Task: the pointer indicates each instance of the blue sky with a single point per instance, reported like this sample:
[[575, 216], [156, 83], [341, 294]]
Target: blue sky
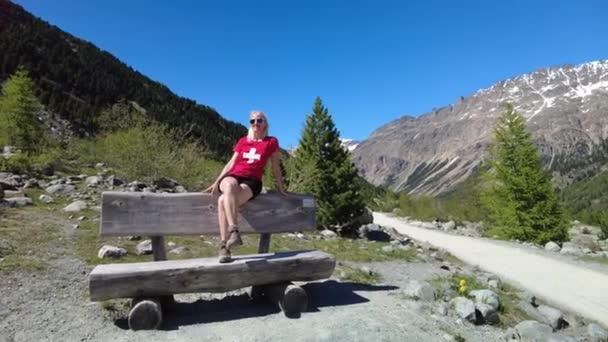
[[370, 61]]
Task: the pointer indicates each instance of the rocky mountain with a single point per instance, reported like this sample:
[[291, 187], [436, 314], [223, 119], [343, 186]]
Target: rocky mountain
[[566, 109]]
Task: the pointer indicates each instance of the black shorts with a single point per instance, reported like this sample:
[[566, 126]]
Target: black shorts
[[253, 184]]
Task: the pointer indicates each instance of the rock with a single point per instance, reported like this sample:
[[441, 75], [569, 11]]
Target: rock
[[442, 309], [165, 183], [60, 189], [19, 201], [553, 317], [494, 284], [388, 249], [569, 248], [596, 333], [486, 297], [180, 189], [76, 206], [179, 250], [533, 331], [420, 290], [366, 270], [586, 241], [465, 308], [489, 314], [100, 165], [300, 236], [171, 244], [144, 248], [114, 181], [108, 251], [449, 226], [93, 181], [374, 232], [45, 198], [328, 234], [552, 247], [582, 229]]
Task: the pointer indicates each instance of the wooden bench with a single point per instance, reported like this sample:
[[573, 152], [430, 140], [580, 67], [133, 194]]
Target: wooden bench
[[157, 215]]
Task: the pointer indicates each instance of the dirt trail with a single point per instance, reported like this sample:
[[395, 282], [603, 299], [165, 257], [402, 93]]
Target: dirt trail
[[573, 287]]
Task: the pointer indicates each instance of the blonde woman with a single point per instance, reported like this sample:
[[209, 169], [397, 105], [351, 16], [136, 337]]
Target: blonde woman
[[241, 179]]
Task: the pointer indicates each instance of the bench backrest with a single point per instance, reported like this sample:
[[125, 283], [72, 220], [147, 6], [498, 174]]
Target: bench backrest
[[195, 213]]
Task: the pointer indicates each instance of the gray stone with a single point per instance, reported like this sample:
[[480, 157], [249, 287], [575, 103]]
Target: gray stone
[[552, 247], [76, 206], [449, 226], [465, 308], [366, 270], [114, 181], [597, 333], [180, 250], [19, 201], [180, 189], [586, 241], [108, 251], [494, 284], [388, 249], [60, 189], [489, 314], [144, 247], [93, 181], [552, 316], [45, 198], [569, 248], [419, 290], [533, 331], [486, 297], [328, 234], [442, 309]]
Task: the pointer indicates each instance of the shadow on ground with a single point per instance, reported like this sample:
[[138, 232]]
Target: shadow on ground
[[320, 294]]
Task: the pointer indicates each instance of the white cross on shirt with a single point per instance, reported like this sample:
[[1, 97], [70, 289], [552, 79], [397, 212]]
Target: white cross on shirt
[[251, 155]]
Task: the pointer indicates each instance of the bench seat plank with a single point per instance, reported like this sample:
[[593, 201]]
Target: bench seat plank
[[150, 279], [195, 213]]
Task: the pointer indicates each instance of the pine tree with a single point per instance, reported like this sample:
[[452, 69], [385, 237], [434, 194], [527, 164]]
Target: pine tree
[[19, 110], [322, 167], [519, 197]]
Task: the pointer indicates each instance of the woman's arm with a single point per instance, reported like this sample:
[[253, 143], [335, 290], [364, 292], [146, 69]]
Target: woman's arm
[[275, 159], [213, 188]]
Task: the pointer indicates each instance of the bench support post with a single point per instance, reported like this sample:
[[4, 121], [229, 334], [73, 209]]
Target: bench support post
[[257, 292], [158, 248]]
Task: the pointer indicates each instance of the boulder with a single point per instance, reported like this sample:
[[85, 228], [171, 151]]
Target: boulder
[[465, 308], [420, 290], [553, 317], [45, 198], [571, 249], [489, 314], [486, 297], [328, 234], [552, 247], [144, 247], [60, 189], [533, 331], [108, 251], [586, 241], [93, 181], [18, 201], [76, 206]]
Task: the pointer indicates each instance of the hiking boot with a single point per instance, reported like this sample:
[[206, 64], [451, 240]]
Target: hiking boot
[[234, 240], [225, 255]]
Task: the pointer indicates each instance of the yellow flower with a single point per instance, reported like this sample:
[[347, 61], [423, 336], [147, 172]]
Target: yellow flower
[[463, 282]]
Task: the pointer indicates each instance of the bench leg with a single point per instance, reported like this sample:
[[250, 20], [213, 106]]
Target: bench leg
[[291, 298], [145, 314]]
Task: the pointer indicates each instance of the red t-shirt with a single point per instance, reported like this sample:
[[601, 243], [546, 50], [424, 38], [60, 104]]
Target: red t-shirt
[[253, 156]]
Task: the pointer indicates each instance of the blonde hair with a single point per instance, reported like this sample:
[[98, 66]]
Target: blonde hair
[[260, 114]]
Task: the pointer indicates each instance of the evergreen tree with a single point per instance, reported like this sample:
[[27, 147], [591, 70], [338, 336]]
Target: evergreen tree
[[322, 167], [519, 197], [19, 110]]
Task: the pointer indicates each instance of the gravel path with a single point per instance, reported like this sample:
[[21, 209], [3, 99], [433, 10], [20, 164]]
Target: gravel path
[[572, 286]]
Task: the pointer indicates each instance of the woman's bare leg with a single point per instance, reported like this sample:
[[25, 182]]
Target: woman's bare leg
[[233, 196], [221, 215]]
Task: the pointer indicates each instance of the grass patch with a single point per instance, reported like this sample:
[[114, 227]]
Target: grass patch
[[596, 259], [27, 237], [510, 312]]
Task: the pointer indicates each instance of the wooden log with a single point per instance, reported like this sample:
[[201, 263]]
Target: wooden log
[[136, 213], [158, 248], [145, 314], [154, 279], [290, 298]]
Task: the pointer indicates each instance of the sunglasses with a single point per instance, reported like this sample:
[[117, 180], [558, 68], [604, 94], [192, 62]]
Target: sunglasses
[[259, 120]]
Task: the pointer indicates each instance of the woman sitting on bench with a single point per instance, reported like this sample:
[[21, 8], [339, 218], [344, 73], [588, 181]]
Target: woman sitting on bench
[[241, 179]]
